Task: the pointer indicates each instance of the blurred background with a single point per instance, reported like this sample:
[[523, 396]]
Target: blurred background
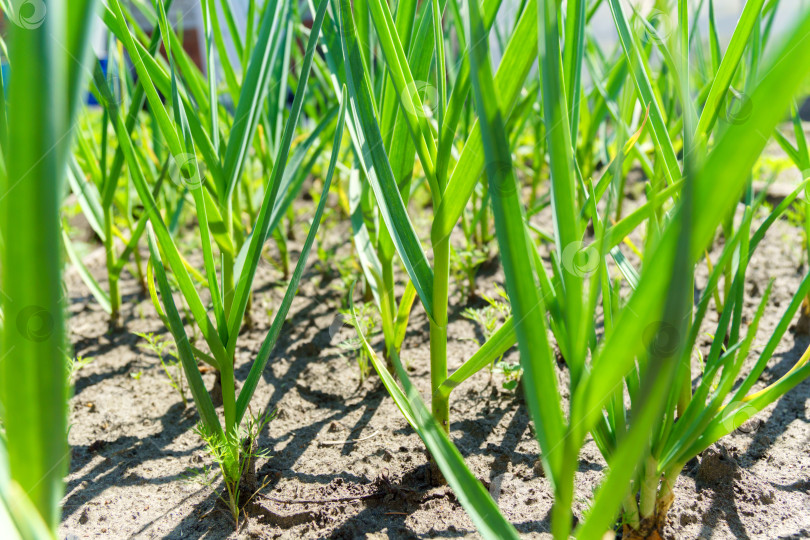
[[186, 16]]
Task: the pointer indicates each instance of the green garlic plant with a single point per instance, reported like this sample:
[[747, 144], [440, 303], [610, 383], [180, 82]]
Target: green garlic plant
[[220, 334], [668, 421]]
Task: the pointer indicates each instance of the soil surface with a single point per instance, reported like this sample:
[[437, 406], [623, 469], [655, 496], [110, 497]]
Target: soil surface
[[343, 463]]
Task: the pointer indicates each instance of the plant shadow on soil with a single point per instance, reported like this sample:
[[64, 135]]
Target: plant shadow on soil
[[135, 455]]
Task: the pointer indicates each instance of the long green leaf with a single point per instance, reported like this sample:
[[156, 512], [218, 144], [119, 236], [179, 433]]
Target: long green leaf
[[517, 61], [527, 306], [47, 59], [728, 66], [262, 225], [198, 391], [498, 343], [252, 96], [281, 314], [471, 494], [563, 190], [663, 143], [377, 167]]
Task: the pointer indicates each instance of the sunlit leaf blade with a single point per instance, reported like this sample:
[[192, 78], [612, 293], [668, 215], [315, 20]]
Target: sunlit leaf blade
[[253, 94], [201, 398], [471, 494], [644, 86], [281, 314], [561, 162], [377, 167], [262, 224], [498, 343], [728, 66], [527, 306], [19, 519], [518, 59]]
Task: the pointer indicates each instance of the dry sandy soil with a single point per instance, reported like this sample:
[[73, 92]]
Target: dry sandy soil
[[136, 468]]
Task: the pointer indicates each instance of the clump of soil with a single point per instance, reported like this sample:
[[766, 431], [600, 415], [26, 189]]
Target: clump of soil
[[716, 469]]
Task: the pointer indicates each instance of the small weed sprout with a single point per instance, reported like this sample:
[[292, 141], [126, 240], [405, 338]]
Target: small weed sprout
[[490, 317], [163, 348], [204, 476], [511, 373], [348, 269], [321, 264], [330, 265], [236, 458], [465, 264], [367, 326], [74, 365]]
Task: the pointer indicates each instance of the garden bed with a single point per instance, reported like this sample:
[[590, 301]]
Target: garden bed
[[342, 451]]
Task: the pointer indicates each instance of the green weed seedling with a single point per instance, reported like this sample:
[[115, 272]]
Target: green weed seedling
[[163, 348]]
